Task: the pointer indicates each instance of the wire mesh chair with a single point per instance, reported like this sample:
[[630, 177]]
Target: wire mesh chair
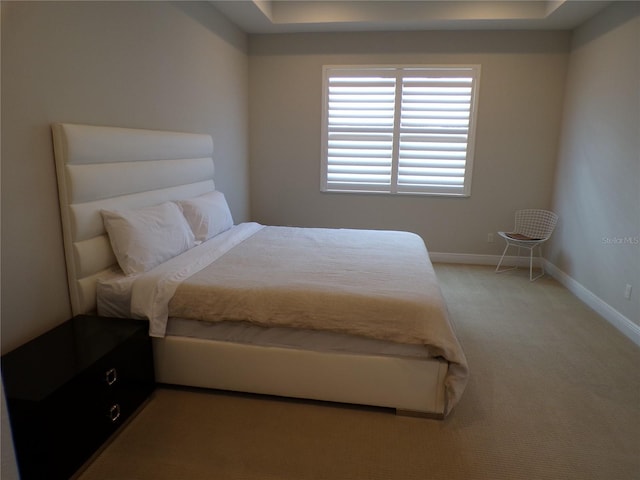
[[532, 228]]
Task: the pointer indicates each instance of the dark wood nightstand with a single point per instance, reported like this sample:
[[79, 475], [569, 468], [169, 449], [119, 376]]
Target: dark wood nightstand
[[71, 388]]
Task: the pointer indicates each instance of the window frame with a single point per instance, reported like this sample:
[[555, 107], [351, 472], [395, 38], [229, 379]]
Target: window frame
[[399, 73]]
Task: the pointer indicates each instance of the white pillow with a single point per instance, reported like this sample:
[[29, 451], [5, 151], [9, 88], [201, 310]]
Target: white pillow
[[145, 237], [208, 214]]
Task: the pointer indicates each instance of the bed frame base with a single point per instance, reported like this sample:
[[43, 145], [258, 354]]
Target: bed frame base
[[413, 387]]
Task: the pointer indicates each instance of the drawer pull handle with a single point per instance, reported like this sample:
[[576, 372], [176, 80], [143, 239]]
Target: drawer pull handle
[[111, 376], [114, 413]]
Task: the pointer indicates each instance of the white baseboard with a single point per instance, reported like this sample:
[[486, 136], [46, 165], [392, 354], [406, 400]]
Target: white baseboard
[[610, 314], [473, 259]]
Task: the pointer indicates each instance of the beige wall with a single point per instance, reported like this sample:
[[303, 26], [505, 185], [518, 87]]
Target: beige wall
[[159, 65], [8, 465], [520, 105], [597, 192]]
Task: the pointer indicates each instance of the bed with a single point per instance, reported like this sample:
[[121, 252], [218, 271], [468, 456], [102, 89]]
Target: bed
[[340, 315]]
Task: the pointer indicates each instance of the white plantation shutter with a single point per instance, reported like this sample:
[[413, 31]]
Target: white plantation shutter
[[360, 131], [399, 129]]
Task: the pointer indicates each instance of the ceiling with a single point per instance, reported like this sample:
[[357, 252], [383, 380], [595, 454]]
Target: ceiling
[[288, 16]]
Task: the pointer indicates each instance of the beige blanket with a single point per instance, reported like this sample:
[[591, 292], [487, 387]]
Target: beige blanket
[[378, 284]]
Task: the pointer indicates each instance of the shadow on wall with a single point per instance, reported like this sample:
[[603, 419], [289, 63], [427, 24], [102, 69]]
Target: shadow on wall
[[424, 42], [624, 12], [207, 16]]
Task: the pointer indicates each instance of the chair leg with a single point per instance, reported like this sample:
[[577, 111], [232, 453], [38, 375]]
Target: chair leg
[[541, 274], [501, 259], [531, 252], [531, 264]]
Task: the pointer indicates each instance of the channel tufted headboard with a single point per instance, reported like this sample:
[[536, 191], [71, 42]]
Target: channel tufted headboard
[[118, 168]]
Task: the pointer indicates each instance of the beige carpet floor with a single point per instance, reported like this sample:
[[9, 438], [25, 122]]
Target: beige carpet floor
[[554, 394]]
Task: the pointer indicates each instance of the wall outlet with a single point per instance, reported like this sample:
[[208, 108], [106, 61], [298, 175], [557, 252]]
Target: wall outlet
[[627, 292], [489, 237]]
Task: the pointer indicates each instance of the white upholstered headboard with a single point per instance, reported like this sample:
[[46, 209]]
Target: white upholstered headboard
[[115, 168]]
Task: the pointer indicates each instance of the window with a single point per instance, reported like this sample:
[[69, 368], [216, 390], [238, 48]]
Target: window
[[399, 130]]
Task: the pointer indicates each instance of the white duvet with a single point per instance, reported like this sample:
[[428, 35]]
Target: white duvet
[[376, 284]]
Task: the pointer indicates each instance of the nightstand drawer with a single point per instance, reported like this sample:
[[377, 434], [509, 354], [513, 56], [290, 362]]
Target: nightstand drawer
[[118, 383]]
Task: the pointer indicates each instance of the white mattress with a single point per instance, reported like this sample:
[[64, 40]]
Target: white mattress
[[114, 300], [244, 332]]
